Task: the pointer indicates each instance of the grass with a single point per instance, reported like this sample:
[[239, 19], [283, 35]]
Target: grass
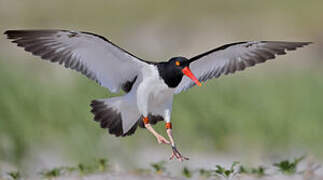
[[249, 109], [101, 165], [261, 110], [160, 169]]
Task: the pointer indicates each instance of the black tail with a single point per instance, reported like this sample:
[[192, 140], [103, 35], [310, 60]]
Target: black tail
[[109, 118]]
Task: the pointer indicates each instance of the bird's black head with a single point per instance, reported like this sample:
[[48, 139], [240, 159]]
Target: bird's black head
[[178, 63], [172, 71]]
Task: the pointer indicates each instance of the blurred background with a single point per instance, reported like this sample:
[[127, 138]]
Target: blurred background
[[267, 111]]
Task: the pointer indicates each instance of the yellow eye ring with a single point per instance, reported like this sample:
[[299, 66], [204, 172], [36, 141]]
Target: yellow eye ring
[[178, 63]]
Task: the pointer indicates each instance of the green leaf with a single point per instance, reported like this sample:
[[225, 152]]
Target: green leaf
[[289, 167], [14, 175], [227, 173], [220, 170], [159, 167], [51, 173], [186, 172], [205, 173]]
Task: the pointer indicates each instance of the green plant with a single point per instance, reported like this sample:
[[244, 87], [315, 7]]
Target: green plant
[[221, 171], [51, 173], [289, 167], [14, 175], [56, 172], [85, 169], [205, 173], [259, 171], [186, 172], [102, 164], [159, 167]]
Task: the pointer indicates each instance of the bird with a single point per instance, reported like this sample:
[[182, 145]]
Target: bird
[[149, 87]]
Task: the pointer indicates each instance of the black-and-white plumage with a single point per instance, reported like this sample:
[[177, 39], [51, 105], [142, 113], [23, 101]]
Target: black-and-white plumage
[[149, 86], [234, 57], [92, 55]]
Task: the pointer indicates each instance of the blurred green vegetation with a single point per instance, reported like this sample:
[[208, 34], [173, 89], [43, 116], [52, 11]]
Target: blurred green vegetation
[[43, 107], [258, 111]]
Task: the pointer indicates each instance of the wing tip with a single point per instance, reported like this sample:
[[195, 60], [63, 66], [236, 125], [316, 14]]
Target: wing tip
[[9, 34], [8, 31], [15, 34], [305, 43], [308, 43]]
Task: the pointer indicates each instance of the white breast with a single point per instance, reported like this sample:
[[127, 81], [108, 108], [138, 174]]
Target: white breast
[[153, 95]]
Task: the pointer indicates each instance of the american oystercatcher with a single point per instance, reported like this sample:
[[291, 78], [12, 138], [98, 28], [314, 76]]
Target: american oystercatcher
[[149, 86]]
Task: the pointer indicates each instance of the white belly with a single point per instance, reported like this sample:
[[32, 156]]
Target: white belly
[[153, 95]]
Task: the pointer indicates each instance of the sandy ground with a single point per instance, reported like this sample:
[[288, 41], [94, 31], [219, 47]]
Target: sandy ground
[[308, 169]]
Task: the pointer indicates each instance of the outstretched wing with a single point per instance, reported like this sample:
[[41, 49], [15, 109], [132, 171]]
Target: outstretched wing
[[91, 54], [234, 57]]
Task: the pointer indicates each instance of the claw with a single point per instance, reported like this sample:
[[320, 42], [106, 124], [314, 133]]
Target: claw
[[172, 156], [177, 154]]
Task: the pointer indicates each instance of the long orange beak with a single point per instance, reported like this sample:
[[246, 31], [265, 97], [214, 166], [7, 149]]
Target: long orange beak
[[189, 74]]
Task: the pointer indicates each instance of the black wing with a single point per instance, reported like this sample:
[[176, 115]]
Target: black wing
[[234, 57]]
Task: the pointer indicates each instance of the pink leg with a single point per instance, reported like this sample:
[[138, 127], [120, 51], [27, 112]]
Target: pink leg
[[160, 138], [175, 152]]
